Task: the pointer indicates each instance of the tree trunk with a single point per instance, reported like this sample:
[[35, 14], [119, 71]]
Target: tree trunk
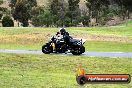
[[97, 17], [128, 14], [123, 13]]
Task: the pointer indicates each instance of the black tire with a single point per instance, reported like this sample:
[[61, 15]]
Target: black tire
[[81, 80], [83, 49], [47, 49], [77, 51], [74, 53]]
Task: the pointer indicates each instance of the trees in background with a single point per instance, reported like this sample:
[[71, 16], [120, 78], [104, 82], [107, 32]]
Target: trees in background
[[30, 3], [126, 7], [104, 10], [12, 3], [68, 13], [1, 1], [1, 14], [7, 21], [85, 19], [3, 10], [58, 9], [61, 14], [98, 9], [21, 13], [43, 19], [21, 10], [73, 12]]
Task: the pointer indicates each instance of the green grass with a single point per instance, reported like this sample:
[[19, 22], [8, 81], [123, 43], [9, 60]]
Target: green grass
[[53, 71], [90, 46], [108, 46], [109, 39], [127, 23], [119, 31]]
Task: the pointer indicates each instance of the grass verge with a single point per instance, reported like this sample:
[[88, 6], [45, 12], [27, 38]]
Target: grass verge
[[99, 46], [107, 39], [53, 71]]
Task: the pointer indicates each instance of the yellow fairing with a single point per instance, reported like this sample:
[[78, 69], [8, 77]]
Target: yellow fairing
[[53, 45]]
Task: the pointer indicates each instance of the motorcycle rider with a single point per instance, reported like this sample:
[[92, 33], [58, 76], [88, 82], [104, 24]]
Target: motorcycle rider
[[65, 35], [55, 39], [56, 36], [62, 34], [63, 43]]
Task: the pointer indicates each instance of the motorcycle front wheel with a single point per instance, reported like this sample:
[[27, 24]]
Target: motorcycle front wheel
[[47, 49]]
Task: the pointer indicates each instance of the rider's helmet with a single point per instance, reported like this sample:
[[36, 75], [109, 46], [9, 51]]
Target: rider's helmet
[[57, 33], [62, 31]]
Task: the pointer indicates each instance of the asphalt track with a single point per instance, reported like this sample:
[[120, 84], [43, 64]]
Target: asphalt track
[[90, 54]]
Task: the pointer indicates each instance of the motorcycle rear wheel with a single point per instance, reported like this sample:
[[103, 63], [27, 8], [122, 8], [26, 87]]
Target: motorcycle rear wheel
[[78, 51]]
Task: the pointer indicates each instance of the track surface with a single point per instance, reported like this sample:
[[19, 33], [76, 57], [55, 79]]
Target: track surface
[[92, 54]]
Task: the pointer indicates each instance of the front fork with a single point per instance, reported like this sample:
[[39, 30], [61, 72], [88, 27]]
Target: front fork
[[53, 46]]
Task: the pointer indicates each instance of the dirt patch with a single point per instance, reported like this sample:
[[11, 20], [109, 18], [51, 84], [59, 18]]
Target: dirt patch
[[110, 38], [105, 38], [40, 38]]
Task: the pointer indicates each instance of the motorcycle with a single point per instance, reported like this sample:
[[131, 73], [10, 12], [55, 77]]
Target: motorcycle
[[75, 46]]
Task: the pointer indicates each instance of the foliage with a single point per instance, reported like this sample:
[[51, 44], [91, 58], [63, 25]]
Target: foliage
[[73, 12], [58, 9], [1, 2], [31, 3], [22, 11], [96, 8], [126, 7], [37, 10], [85, 20], [3, 9], [69, 13], [67, 22], [7, 21], [13, 2], [1, 15], [43, 19]]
